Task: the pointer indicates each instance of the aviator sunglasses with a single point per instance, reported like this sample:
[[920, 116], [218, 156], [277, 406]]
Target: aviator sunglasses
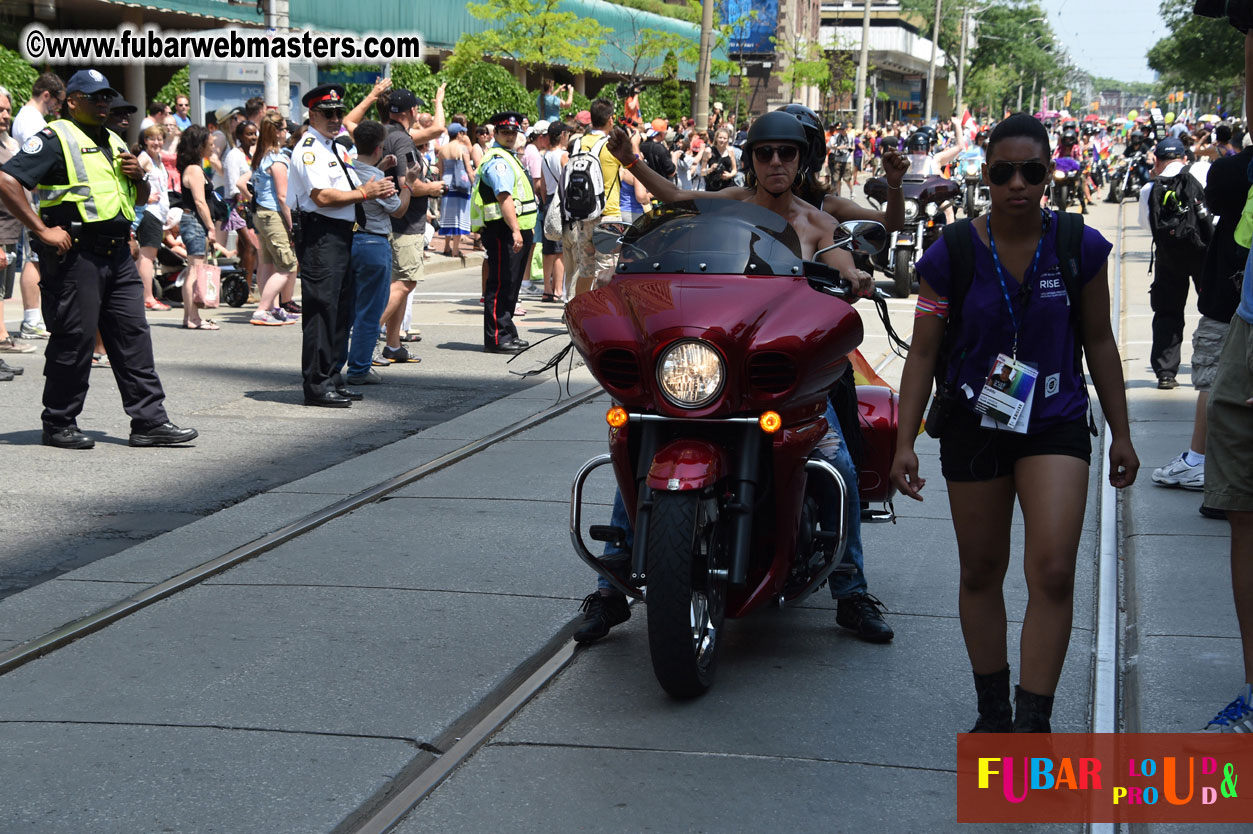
[[764, 153], [1033, 171]]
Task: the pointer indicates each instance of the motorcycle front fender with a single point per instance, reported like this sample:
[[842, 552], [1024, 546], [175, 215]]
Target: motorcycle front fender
[[687, 464]]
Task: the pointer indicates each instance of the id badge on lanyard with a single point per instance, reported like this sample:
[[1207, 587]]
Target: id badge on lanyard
[[1009, 390]]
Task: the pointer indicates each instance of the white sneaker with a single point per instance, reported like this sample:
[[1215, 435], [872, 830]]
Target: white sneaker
[[1236, 717], [1179, 473], [266, 319]]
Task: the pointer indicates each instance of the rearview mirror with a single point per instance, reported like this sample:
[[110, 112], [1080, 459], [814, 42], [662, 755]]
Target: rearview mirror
[[868, 237]]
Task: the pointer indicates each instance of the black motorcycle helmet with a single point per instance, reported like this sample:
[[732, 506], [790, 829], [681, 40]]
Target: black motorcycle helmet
[[1136, 136], [775, 126], [813, 131], [1070, 137], [920, 141], [1088, 129]]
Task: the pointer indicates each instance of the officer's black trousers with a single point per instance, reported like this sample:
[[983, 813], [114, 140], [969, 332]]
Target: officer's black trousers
[[326, 296], [505, 271], [1173, 269], [82, 293]]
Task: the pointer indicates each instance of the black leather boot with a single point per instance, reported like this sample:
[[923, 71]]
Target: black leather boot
[[995, 714], [1032, 712]]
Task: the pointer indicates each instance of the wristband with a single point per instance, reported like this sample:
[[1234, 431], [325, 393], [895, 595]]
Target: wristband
[[363, 194], [895, 188], [632, 162]]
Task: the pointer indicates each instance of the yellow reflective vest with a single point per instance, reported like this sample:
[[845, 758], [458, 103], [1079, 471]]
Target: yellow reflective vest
[[482, 211], [96, 185]]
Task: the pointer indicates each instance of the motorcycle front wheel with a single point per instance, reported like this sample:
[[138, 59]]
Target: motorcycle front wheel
[[686, 595], [903, 273]]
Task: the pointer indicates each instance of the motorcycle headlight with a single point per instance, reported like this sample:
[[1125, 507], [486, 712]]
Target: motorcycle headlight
[[911, 210], [690, 374], [1059, 175], [931, 210]]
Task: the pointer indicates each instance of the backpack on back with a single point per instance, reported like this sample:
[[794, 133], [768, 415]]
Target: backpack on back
[[1177, 212], [582, 185]]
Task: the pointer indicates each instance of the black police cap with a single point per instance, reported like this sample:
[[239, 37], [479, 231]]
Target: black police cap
[[324, 97], [508, 119]]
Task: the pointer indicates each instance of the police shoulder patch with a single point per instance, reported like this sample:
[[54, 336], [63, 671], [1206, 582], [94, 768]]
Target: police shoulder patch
[[309, 158], [33, 145], [308, 142]]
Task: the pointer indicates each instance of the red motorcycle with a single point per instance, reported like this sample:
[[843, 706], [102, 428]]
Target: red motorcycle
[[719, 345]]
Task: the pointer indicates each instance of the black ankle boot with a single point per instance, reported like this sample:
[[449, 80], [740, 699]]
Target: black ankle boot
[[995, 715], [1032, 712]]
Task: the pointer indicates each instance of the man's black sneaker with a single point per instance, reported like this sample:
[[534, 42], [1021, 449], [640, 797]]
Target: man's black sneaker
[[860, 613], [166, 434], [1210, 512], [68, 437], [602, 612], [6, 368], [1167, 382]]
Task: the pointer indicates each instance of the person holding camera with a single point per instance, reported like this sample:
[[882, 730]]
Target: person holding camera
[[1011, 303], [550, 104]]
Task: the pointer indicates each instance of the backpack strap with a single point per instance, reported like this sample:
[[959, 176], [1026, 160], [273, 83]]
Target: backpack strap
[[961, 270], [1070, 258]]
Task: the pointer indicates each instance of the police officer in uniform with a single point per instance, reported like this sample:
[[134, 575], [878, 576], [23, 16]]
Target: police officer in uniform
[[88, 185], [503, 210], [327, 196]]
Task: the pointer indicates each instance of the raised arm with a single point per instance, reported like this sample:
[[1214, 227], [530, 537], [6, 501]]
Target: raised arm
[[357, 114], [625, 148]]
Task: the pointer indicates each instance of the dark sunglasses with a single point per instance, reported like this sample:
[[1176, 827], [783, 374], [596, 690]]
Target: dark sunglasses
[[333, 114], [765, 153], [1033, 172], [98, 98]]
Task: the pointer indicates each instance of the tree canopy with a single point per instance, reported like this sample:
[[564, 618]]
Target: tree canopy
[[1199, 52]]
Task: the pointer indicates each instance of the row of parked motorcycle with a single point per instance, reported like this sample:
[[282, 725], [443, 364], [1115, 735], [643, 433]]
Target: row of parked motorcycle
[[928, 197]]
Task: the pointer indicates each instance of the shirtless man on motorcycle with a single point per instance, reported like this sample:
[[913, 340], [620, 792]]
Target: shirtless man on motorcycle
[[775, 159], [777, 146]]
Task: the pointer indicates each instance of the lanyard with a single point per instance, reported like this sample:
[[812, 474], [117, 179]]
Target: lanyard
[[996, 259]]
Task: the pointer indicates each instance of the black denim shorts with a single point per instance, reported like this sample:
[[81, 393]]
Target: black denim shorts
[[969, 452]]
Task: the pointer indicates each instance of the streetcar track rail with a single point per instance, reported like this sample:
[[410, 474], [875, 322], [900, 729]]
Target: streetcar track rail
[[29, 650]]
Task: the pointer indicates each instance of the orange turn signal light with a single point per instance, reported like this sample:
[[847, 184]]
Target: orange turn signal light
[[770, 422], [617, 417]]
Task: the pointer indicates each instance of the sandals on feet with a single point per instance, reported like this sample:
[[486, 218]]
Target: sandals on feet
[[100, 360], [205, 324]]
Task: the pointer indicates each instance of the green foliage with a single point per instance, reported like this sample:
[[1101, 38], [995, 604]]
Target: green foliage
[[19, 76], [799, 63], [1198, 52], [179, 85], [690, 13], [533, 33], [675, 100], [484, 90]]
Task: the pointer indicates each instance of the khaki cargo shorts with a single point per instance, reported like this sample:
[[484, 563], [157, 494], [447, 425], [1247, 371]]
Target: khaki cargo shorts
[[1229, 443], [407, 263], [275, 245], [1207, 346]]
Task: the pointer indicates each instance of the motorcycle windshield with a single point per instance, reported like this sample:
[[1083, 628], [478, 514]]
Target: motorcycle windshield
[[921, 166], [726, 237]]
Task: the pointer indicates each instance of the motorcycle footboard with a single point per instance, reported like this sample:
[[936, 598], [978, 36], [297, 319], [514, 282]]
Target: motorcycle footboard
[[576, 528], [820, 468]]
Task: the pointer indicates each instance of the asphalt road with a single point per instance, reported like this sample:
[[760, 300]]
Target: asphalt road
[[240, 387]]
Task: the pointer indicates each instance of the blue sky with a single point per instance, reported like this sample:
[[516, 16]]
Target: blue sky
[[1108, 38]]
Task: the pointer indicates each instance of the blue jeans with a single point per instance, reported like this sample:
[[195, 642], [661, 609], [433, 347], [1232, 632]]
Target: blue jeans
[[372, 272], [835, 451]]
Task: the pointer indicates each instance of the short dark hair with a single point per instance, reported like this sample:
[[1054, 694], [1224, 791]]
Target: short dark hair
[[156, 108], [1020, 125], [1222, 133], [49, 82], [253, 107], [602, 113], [369, 136]]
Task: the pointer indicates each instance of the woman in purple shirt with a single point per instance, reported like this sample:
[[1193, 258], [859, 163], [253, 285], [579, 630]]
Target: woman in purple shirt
[[1016, 307]]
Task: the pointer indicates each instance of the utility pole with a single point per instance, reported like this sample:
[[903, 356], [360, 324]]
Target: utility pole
[[1019, 110], [863, 66], [703, 67], [935, 47], [961, 62], [277, 74]]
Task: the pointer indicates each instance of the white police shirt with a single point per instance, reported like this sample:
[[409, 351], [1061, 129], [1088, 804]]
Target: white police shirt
[[317, 162]]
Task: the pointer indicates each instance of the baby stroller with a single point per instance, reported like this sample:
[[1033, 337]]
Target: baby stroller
[[171, 269]]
